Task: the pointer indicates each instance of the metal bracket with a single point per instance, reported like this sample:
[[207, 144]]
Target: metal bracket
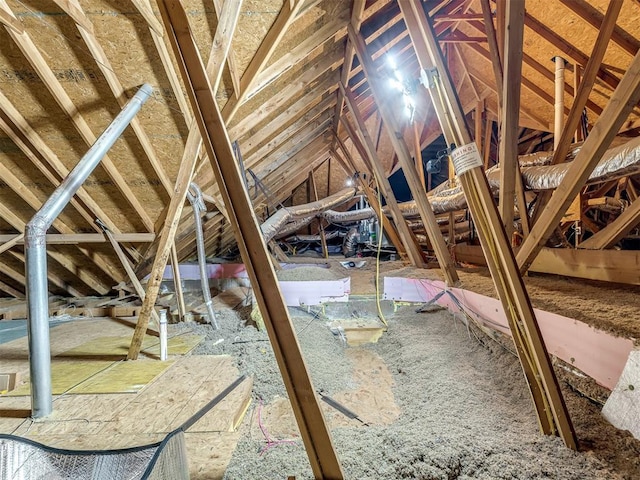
[[429, 77]]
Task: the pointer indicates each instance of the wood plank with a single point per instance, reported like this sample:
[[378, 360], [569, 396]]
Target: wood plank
[[51, 82], [357, 10], [509, 117], [424, 207], [258, 62], [616, 266], [74, 238], [615, 113], [313, 429], [550, 408], [370, 156]]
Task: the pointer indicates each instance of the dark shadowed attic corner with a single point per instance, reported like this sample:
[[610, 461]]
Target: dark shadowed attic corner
[[319, 239]]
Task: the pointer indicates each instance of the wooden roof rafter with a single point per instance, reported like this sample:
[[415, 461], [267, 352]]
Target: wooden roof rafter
[[259, 61], [40, 65], [85, 27]]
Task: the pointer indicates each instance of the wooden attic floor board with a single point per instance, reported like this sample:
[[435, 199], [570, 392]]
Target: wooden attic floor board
[[107, 421]]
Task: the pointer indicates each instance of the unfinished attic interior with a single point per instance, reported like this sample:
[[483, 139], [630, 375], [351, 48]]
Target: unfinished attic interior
[[319, 239]]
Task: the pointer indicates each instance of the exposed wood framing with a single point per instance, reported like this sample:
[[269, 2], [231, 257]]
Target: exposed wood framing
[[303, 398], [617, 266], [587, 82], [356, 20], [85, 27], [582, 95], [259, 61], [510, 178], [625, 97], [616, 230], [402, 151], [40, 65], [548, 401], [389, 228], [370, 156], [594, 18]]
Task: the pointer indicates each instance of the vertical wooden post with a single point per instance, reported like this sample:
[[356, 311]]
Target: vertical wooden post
[[177, 282], [302, 395], [508, 148], [404, 157], [576, 85], [418, 154], [543, 385], [323, 238]]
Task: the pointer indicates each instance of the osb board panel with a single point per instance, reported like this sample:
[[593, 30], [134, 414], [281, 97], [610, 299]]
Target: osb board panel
[[210, 453], [226, 415], [123, 377], [56, 36], [256, 17], [157, 407], [67, 374], [310, 21], [78, 415]]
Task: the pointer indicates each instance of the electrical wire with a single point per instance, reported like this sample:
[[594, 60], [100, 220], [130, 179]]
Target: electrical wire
[[381, 232]]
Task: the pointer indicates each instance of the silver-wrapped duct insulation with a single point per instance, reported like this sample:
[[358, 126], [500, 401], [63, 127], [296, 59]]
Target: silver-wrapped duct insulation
[[615, 163], [275, 223], [349, 216], [313, 238], [350, 242]]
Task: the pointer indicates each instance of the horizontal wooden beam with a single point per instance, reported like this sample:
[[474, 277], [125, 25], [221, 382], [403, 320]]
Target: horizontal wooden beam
[[74, 238], [616, 266]]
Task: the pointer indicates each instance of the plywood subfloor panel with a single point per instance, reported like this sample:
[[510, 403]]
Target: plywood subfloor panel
[[65, 375], [123, 377]]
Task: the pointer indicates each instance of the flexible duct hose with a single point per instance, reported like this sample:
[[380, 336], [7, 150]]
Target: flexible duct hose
[[197, 202]]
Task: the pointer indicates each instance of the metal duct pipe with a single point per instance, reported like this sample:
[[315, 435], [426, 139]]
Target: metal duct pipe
[[36, 255], [559, 101], [274, 225], [198, 205]]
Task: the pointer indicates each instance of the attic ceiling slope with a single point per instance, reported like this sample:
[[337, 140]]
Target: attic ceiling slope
[[67, 67]]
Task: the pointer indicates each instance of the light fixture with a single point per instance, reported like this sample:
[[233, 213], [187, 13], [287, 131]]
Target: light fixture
[[349, 182]]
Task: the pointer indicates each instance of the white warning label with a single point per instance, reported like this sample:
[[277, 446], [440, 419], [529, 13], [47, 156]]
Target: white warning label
[[466, 157]]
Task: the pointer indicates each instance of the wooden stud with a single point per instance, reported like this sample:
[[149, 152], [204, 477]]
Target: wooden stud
[[313, 429], [359, 134], [177, 282], [422, 203], [137, 286], [551, 410], [622, 102], [509, 118]]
